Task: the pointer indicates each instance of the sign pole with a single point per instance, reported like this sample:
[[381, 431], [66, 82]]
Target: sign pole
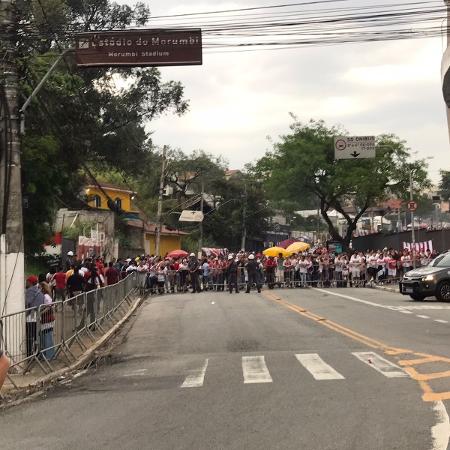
[[160, 201]]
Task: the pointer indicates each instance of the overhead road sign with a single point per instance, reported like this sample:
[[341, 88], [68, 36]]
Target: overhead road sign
[[139, 48], [191, 216], [354, 147]]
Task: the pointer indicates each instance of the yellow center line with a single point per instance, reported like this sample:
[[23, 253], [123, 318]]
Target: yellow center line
[[423, 358]]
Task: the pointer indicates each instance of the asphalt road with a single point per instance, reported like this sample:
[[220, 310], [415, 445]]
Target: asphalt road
[[287, 369]]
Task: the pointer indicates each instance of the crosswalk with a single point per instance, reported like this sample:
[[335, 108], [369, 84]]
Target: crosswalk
[[256, 371]]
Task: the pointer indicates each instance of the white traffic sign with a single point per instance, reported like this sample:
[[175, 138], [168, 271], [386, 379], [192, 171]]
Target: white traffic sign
[[354, 147], [191, 216]]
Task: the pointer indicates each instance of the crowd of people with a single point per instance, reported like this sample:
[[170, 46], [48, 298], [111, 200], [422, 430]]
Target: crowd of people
[[244, 270]]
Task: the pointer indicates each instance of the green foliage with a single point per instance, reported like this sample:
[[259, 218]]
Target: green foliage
[[302, 168], [444, 185], [81, 116]]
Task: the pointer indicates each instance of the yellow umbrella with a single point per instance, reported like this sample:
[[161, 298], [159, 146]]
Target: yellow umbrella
[[298, 247], [275, 251]]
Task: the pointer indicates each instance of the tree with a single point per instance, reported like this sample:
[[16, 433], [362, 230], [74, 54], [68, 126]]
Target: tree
[[444, 185], [82, 117], [302, 166]]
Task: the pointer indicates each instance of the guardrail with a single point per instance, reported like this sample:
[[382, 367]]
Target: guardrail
[[46, 336]]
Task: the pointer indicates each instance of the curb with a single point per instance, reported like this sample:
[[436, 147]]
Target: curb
[[35, 389], [385, 288]]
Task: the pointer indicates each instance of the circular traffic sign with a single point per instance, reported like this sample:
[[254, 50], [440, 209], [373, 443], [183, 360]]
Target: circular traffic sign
[[341, 144], [412, 206]]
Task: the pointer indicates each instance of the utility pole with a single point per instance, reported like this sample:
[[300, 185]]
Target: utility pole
[[413, 232], [160, 202], [200, 240], [244, 224], [11, 234]]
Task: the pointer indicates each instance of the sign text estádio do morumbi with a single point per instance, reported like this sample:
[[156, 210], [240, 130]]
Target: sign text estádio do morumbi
[[164, 47]]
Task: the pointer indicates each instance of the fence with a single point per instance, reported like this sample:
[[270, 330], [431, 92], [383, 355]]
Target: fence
[[167, 281], [46, 336]]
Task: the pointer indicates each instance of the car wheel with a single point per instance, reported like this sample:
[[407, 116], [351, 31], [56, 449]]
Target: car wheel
[[443, 291], [417, 297]]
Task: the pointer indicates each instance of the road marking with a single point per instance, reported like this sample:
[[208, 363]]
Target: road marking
[[404, 311], [441, 431], [354, 299], [255, 370], [136, 373], [423, 317], [196, 378], [317, 367], [428, 306], [385, 367], [429, 395], [441, 321]]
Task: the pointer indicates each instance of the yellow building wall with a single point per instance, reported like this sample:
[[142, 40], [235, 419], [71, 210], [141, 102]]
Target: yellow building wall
[[167, 244], [127, 205]]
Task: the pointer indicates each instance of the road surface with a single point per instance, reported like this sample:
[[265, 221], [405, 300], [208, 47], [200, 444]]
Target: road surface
[[286, 369]]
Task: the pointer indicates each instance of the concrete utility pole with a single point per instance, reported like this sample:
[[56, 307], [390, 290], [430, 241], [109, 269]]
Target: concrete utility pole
[[11, 239], [200, 240], [244, 222], [160, 201], [413, 232]]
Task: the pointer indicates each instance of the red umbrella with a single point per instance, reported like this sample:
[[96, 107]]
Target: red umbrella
[[177, 254], [286, 243]]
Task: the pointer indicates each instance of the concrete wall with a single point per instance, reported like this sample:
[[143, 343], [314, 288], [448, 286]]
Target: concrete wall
[[167, 244], [440, 239], [105, 220]]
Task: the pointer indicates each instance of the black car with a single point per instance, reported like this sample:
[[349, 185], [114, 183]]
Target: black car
[[429, 281]]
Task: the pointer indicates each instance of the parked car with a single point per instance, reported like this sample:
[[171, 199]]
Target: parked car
[[429, 281]]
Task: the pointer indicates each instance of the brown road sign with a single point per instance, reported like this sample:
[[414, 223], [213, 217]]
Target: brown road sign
[[139, 48]]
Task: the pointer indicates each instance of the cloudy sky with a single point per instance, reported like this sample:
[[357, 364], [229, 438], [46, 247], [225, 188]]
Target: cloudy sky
[[238, 100]]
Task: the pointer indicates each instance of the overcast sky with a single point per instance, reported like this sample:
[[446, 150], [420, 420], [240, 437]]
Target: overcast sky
[[237, 100]]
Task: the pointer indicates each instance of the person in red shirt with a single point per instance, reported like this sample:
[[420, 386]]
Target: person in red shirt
[[270, 266], [112, 275], [60, 280]]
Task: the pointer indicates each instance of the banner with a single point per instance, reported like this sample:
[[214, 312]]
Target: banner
[[420, 247]]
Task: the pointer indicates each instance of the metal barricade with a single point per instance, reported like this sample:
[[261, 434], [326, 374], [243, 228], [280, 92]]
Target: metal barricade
[[46, 335]]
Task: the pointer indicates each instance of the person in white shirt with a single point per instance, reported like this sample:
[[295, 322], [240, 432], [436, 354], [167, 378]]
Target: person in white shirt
[[338, 266], [372, 263], [355, 269], [406, 262], [303, 269]]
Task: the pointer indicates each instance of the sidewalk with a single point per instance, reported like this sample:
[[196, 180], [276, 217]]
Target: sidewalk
[[42, 374]]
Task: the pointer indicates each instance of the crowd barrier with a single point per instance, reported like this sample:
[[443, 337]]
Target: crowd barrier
[[46, 335], [220, 280]]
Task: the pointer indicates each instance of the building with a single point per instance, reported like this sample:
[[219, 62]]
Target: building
[[142, 238], [97, 197], [445, 68], [110, 225]]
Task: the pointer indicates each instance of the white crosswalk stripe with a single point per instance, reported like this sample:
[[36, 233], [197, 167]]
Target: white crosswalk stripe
[[255, 370], [317, 367], [196, 378], [385, 367]]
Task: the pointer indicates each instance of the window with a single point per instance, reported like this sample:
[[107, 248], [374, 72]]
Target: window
[[118, 203], [97, 201]]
